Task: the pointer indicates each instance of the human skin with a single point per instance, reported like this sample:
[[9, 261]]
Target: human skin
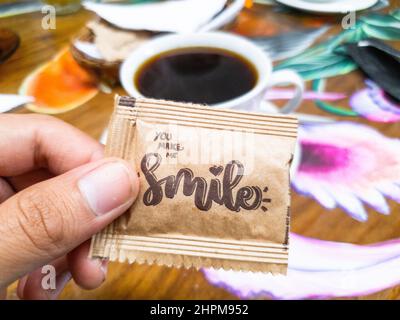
[[56, 191]]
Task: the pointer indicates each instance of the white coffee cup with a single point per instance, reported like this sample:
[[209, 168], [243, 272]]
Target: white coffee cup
[[220, 40]]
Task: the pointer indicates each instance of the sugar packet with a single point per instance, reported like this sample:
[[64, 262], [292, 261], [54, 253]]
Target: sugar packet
[[214, 186]]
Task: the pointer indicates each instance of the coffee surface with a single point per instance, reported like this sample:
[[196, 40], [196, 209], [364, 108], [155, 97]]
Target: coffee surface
[[197, 75]]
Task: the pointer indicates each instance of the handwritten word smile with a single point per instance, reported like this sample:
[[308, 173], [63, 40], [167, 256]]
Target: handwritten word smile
[[219, 191]]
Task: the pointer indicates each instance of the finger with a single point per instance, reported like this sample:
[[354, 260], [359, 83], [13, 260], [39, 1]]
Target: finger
[[87, 273], [38, 285], [30, 142], [28, 179], [49, 219], [6, 191]]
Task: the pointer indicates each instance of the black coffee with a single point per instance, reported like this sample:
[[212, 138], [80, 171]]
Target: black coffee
[[198, 75]]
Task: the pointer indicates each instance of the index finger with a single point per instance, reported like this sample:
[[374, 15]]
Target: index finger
[[30, 142]]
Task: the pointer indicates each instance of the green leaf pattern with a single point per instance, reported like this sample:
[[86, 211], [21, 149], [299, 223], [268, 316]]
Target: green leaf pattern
[[329, 58]]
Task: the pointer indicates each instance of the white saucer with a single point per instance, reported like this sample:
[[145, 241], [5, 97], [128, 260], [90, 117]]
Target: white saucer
[[338, 6]]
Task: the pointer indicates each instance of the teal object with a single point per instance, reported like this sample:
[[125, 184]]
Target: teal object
[[328, 60], [318, 85], [324, 60]]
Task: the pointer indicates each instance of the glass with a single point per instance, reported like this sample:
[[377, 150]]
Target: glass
[[64, 6]]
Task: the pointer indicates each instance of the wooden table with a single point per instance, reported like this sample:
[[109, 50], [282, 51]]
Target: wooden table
[[152, 282]]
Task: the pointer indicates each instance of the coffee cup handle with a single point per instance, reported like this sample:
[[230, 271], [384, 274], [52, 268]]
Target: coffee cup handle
[[288, 77]]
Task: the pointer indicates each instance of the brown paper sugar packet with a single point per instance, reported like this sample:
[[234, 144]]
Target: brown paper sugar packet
[[214, 186]]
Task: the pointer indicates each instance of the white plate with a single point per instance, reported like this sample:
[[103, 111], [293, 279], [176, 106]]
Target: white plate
[[227, 15], [169, 16], [338, 6], [11, 101]]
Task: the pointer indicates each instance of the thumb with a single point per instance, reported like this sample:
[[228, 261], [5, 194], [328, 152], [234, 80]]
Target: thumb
[[49, 219]]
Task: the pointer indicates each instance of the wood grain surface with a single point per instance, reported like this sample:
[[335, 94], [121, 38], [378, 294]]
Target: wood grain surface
[[153, 282]]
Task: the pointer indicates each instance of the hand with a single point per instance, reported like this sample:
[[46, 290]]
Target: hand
[[56, 191]]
